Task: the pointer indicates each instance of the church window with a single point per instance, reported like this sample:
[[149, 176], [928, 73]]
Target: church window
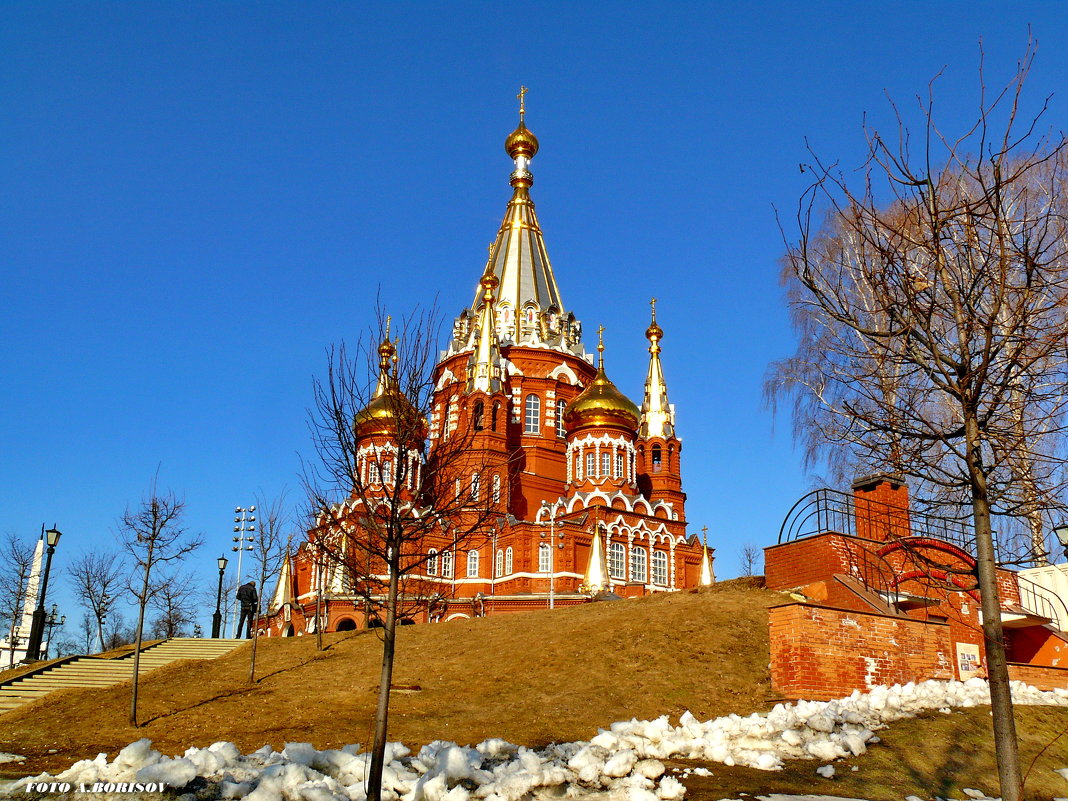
[[532, 423], [604, 464], [619, 465], [446, 564], [387, 472], [617, 561], [498, 567], [476, 486], [545, 558], [445, 420], [457, 489], [657, 459], [660, 568], [375, 477], [432, 562], [476, 416], [508, 560], [493, 417], [560, 406], [472, 564], [591, 465], [496, 489], [637, 564]]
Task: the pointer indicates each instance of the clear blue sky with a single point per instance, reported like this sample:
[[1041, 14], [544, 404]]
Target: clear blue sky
[[199, 198]]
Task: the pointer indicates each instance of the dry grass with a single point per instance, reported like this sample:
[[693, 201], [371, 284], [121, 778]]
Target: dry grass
[[532, 679]]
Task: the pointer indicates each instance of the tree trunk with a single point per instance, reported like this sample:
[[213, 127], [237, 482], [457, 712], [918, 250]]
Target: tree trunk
[[378, 751], [1005, 745]]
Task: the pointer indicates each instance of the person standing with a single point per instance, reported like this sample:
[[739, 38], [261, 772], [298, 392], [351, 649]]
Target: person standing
[[249, 599]]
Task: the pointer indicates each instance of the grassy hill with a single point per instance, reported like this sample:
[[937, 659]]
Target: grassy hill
[[531, 679]]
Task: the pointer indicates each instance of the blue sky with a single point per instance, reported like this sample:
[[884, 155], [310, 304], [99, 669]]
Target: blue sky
[[199, 198]]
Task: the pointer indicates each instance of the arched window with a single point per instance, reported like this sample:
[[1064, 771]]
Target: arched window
[[560, 406], [387, 472], [657, 459], [472, 564], [545, 558], [532, 421], [445, 409], [446, 564], [660, 568], [591, 464], [605, 462], [508, 561], [457, 488], [376, 477], [476, 416], [496, 489], [498, 567], [617, 561], [476, 487], [637, 564], [432, 562], [493, 417]]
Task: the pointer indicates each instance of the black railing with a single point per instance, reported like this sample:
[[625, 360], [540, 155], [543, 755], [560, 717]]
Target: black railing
[[1042, 602], [826, 510]]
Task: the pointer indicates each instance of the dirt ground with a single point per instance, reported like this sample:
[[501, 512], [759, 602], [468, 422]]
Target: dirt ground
[[534, 678]]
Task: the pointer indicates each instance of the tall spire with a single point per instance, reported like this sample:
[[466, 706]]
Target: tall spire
[[529, 308], [387, 355], [658, 416], [596, 578], [485, 372]]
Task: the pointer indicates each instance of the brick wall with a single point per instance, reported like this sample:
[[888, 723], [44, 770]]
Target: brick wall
[[819, 652], [794, 564], [1044, 678]]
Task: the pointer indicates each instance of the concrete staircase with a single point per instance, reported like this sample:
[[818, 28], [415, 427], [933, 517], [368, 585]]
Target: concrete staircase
[[94, 671]]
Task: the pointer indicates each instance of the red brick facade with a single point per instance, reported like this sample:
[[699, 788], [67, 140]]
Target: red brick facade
[[878, 604]]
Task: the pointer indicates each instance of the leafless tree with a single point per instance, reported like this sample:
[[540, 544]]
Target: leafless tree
[[16, 563], [88, 630], [96, 580], [930, 304], [384, 496], [175, 603], [153, 537], [750, 558], [268, 550]]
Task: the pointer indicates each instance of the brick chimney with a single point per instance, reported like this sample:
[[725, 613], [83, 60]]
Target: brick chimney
[[881, 507]]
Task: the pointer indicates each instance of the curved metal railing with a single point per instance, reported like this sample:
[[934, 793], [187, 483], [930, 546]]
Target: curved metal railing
[[1043, 602], [825, 510]]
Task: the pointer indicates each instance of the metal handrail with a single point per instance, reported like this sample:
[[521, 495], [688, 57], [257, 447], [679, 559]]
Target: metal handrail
[[825, 510], [1042, 602]]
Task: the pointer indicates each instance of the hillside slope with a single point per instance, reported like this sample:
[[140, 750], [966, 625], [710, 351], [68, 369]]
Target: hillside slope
[[531, 679]]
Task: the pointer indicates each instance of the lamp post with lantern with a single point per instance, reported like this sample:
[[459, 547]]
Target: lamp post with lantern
[[216, 619], [33, 647], [553, 509]]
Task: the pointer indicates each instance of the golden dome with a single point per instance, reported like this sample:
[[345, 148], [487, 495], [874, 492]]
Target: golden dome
[[380, 416], [521, 142], [601, 404]]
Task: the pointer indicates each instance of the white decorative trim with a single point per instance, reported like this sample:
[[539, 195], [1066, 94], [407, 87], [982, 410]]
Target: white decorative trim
[[447, 378], [563, 369]]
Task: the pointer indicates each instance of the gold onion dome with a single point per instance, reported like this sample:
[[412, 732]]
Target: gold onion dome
[[389, 412], [521, 142], [601, 404]]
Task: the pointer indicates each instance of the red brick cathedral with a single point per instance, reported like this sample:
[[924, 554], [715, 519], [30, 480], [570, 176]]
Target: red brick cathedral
[[587, 484]]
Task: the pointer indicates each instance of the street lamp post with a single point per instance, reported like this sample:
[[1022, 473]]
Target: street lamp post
[[216, 619], [1061, 533], [246, 523], [33, 648], [553, 509], [51, 621]]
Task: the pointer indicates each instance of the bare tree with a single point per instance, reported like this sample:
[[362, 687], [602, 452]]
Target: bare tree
[[268, 551], [16, 564], [931, 310], [96, 579], [175, 603], [154, 538], [750, 558], [385, 497]]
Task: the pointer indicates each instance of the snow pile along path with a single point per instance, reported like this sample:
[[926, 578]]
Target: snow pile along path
[[623, 762]]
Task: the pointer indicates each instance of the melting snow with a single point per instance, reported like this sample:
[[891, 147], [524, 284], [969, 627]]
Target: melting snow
[[622, 763]]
